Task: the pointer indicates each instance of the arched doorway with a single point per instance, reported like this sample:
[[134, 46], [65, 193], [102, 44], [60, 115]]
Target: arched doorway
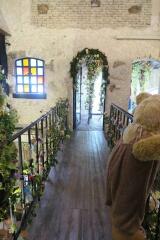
[[89, 70], [145, 78]]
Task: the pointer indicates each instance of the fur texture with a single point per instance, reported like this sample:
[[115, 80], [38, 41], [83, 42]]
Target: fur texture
[[147, 113], [130, 133], [147, 149], [144, 132], [140, 97]]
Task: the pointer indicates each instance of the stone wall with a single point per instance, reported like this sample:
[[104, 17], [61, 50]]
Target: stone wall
[[57, 47], [91, 14]]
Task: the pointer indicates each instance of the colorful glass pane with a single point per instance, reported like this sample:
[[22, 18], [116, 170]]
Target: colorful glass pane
[[40, 63], [26, 79], [19, 63], [19, 79], [33, 80], [33, 71], [25, 70], [26, 88], [40, 80], [40, 71], [25, 62], [19, 88], [30, 75], [33, 62], [40, 88], [33, 88], [19, 71]]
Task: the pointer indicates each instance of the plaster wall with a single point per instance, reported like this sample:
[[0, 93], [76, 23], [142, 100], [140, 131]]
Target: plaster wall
[[58, 46]]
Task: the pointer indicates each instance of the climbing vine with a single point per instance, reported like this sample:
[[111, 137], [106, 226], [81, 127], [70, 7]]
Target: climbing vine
[[95, 61], [8, 155], [141, 73]]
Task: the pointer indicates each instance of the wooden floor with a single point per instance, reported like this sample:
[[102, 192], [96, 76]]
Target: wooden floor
[[95, 123], [73, 205]]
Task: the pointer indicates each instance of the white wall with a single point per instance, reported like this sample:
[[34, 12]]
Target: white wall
[[58, 47]]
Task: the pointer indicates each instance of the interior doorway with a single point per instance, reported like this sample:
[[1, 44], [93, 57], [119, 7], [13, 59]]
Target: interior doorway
[[145, 78], [89, 92]]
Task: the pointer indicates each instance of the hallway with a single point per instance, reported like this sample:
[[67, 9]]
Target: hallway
[[73, 204]]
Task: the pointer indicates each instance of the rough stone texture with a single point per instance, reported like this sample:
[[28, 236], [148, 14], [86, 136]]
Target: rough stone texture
[[95, 3], [118, 63], [42, 8], [81, 14], [135, 9], [50, 65], [58, 46]]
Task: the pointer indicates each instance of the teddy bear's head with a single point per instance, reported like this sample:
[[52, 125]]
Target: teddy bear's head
[[147, 113], [145, 129], [141, 96]]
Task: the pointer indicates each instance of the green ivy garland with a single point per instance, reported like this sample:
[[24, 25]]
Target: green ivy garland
[[141, 72], [94, 60]]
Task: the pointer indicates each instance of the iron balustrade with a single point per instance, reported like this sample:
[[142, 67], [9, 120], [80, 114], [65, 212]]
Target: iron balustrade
[[116, 122], [37, 146]]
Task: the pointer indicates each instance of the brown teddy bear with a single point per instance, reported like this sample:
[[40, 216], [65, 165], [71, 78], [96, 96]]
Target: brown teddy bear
[[132, 168], [141, 96]]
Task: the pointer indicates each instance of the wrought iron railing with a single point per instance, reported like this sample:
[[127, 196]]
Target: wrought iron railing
[[116, 122], [37, 147]]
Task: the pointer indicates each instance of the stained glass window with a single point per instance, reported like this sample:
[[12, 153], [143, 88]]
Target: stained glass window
[[29, 78]]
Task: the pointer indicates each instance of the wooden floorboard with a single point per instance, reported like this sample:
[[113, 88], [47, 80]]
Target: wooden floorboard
[[73, 204]]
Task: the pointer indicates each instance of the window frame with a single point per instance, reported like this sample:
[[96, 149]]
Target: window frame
[[30, 95]]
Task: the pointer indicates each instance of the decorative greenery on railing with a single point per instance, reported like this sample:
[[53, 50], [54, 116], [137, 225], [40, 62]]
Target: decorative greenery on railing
[[115, 123], [25, 161]]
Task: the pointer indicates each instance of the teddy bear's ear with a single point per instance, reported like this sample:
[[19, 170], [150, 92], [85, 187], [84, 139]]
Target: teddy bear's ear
[[147, 149], [141, 96]]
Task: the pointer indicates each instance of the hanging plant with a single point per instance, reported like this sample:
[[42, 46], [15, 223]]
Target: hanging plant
[[95, 61], [141, 72]]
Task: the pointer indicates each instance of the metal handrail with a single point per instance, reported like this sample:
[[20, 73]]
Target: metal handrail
[[42, 138], [25, 129], [122, 110]]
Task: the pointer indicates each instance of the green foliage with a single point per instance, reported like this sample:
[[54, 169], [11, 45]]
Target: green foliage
[[59, 130], [90, 55], [34, 172], [95, 62], [2, 76], [109, 131], [8, 154], [141, 72]]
